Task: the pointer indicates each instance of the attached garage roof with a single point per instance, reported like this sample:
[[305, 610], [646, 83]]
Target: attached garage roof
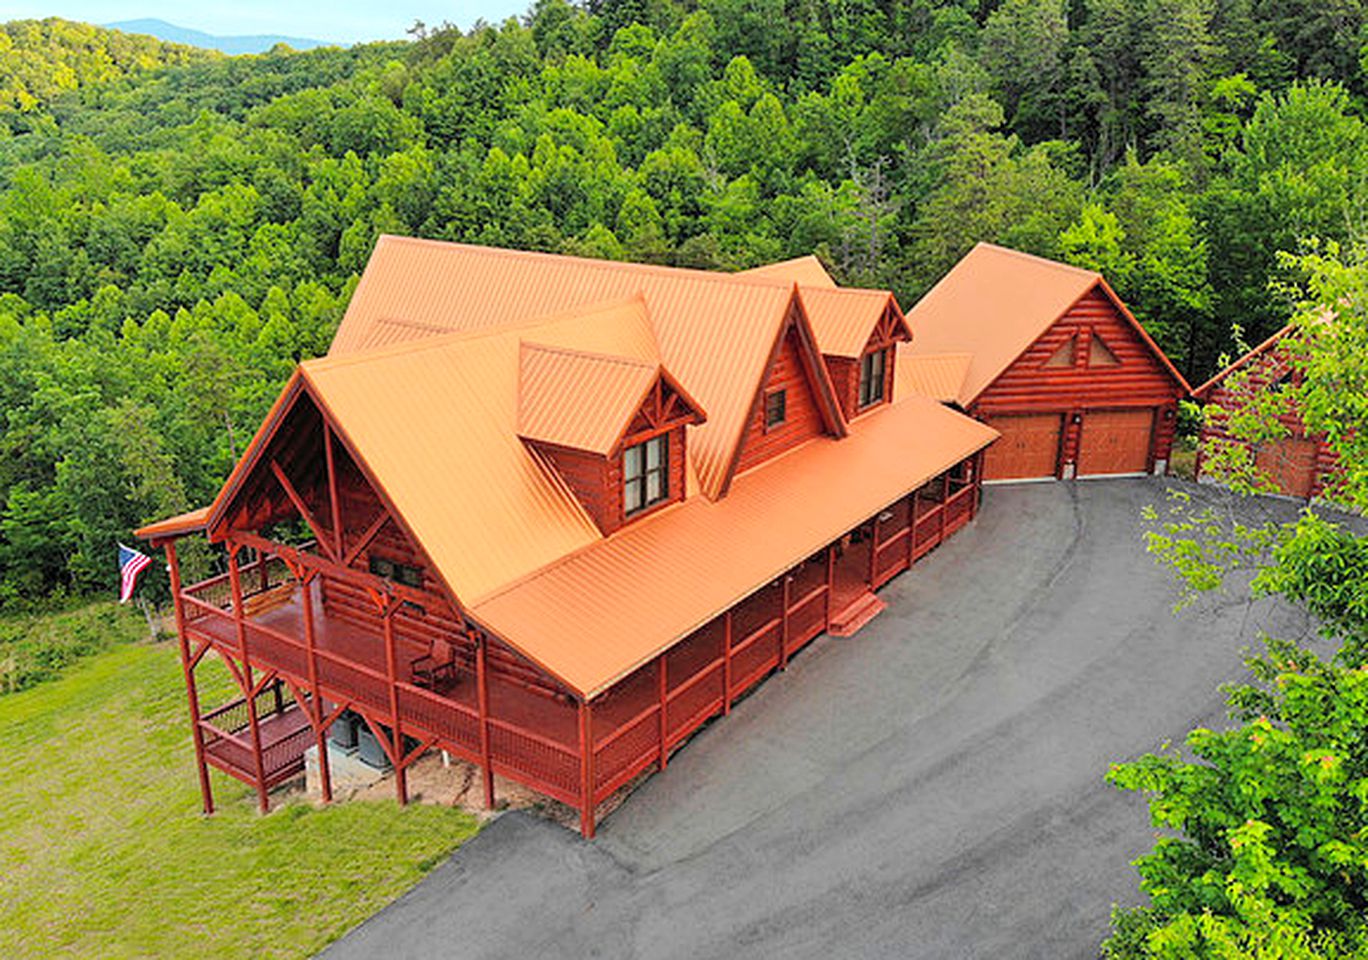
[[995, 303], [597, 614]]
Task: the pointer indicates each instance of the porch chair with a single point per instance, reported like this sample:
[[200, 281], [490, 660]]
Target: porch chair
[[436, 667]]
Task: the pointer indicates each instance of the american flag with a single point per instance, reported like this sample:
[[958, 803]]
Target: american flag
[[131, 563]]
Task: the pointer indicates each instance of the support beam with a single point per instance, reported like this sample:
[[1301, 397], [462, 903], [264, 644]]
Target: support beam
[[188, 667], [396, 733], [586, 739], [664, 713], [333, 506], [315, 699], [912, 529], [249, 689], [830, 586], [726, 662], [302, 508], [482, 699], [786, 592], [365, 541], [873, 550], [944, 504]]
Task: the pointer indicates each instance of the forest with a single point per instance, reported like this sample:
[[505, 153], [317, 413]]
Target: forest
[[179, 228]]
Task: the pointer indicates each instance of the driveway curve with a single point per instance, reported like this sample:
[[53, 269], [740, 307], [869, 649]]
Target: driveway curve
[[931, 787]]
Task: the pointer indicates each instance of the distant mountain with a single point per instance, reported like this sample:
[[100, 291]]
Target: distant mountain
[[197, 38]]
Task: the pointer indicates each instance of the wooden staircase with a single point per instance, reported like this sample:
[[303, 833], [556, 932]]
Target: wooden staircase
[[864, 608]]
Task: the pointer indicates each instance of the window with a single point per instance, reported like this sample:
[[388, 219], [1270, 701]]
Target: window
[[645, 474], [409, 576], [776, 408], [872, 377]]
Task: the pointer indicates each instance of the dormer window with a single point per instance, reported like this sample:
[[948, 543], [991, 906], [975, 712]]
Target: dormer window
[[645, 474], [872, 367]]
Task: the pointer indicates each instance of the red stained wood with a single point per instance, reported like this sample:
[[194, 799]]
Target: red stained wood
[[1028, 447], [597, 481], [1299, 465], [1139, 382], [804, 417], [1115, 442]]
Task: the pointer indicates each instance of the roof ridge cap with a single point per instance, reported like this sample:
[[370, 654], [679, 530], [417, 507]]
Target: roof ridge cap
[[1036, 258], [732, 278]]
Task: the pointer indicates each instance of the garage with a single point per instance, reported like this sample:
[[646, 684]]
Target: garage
[[1028, 448], [1290, 463], [1115, 442]]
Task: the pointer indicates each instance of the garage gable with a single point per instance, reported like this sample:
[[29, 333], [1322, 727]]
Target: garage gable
[[1093, 354]]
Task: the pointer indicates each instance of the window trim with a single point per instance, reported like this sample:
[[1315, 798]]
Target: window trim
[[782, 394], [663, 470], [875, 399]]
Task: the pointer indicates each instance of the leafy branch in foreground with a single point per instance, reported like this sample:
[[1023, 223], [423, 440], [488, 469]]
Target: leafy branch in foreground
[[1267, 851], [1269, 856]]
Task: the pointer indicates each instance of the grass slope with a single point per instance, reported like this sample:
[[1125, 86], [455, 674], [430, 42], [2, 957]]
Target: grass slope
[[104, 853]]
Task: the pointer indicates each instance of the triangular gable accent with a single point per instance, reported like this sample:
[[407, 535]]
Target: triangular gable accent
[[1129, 317], [1099, 354], [892, 328], [256, 468], [665, 404], [819, 380], [1065, 356]]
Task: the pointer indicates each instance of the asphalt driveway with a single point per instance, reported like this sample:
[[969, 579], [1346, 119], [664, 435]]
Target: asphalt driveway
[[931, 787]]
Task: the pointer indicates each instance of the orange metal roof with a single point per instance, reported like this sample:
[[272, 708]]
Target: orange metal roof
[[995, 303], [177, 526], [579, 400], [595, 615], [464, 288], [804, 271], [939, 376], [843, 319], [1201, 391]]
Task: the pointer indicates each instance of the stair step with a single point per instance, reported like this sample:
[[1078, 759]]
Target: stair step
[[860, 611]]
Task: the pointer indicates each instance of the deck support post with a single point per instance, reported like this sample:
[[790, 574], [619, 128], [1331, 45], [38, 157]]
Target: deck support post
[[726, 663], [664, 717], [586, 739], [316, 701], [482, 701], [396, 733], [912, 529], [785, 592], [191, 691], [873, 551], [249, 691], [945, 503], [976, 465], [830, 586]]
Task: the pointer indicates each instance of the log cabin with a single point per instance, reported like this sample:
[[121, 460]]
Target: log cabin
[[1049, 356], [1296, 464], [552, 514]]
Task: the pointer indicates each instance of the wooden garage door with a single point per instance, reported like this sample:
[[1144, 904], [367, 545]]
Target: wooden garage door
[[1028, 447], [1115, 441], [1290, 463]]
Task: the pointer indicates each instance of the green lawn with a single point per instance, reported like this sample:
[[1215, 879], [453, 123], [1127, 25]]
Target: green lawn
[[103, 851]]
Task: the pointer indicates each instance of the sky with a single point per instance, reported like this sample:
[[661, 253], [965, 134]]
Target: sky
[[338, 21]]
